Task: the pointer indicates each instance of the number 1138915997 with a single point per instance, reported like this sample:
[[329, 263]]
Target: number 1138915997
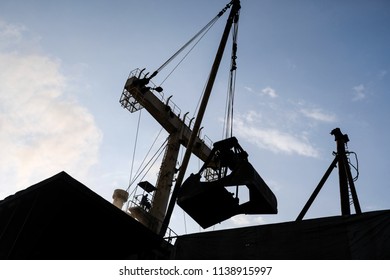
[[242, 270]]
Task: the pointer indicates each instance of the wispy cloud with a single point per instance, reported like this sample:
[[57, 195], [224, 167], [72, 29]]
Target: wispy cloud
[[43, 130], [246, 220], [241, 220], [272, 138], [319, 115], [10, 33], [268, 91], [249, 89], [359, 92]]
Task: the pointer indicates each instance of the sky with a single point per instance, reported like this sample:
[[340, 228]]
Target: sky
[[304, 68]]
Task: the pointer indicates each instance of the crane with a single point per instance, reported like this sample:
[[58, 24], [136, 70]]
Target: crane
[[207, 203]]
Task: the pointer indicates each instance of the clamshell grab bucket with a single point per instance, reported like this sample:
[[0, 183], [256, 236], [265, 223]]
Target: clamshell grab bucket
[[210, 202]]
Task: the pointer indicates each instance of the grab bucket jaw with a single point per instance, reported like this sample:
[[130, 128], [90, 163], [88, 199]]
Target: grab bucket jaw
[[210, 202]]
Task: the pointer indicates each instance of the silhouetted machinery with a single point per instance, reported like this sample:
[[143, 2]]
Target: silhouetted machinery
[[210, 202]]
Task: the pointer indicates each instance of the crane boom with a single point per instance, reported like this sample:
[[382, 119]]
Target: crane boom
[[136, 96]]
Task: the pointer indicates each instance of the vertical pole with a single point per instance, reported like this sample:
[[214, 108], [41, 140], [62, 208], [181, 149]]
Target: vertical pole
[[202, 108], [343, 180], [341, 140]]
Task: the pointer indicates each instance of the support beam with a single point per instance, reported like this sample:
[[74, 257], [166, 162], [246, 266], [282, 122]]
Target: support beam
[[341, 140], [317, 189]]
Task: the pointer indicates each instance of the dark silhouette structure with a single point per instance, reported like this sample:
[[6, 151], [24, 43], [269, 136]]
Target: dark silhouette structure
[[60, 218]]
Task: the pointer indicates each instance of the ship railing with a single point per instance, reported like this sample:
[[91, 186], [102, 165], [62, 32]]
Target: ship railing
[[159, 94], [170, 236], [136, 201], [174, 108]]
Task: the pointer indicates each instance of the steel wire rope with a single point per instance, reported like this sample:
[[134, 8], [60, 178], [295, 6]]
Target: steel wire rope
[[159, 154], [150, 149], [206, 27], [200, 97], [229, 107], [135, 146], [148, 168], [147, 154], [158, 151], [133, 158], [185, 56], [187, 44]]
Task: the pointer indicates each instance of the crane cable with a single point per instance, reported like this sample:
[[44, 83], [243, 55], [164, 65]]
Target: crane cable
[[205, 28], [228, 125], [150, 163], [185, 56], [138, 172], [147, 154], [231, 86], [135, 147]]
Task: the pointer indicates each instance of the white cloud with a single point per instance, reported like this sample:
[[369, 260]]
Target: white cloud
[[10, 33], [270, 92], [260, 220], [249, 89], [246, 220], [241, 220], [272, 139], [43, 131], [359, 92], [319, 115]]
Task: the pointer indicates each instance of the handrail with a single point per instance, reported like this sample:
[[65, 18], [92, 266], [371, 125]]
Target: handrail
[[174, 108]]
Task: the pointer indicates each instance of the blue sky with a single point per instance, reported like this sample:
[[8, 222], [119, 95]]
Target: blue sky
[[304, 68]]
